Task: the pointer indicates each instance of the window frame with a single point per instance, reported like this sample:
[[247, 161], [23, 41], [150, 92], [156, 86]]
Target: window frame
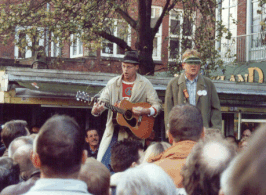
[[80, 52], [57, 45], [158, 35], [180, 36], [28, 53]]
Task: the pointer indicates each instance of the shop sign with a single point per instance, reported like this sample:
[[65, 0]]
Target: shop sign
[[244, 78]]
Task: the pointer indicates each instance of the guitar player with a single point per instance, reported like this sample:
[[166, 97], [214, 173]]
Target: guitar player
[[132, 87]]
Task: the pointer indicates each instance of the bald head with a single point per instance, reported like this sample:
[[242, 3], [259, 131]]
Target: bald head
[[23, 157], [205, 164]]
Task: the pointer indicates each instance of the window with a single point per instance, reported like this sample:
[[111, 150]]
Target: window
[[76, 48], [55, 47], [257, 29], [180, 33], [28, 45], [228, 15], [157, 42], [120, 29]]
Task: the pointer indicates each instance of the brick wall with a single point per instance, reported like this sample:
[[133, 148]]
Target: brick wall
[[241, 17], [7, 51], [98, 63]]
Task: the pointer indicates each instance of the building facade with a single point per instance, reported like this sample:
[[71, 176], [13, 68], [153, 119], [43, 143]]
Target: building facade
[[36, 94]]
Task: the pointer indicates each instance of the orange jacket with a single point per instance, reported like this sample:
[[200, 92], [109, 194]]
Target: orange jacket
[[173, 159]]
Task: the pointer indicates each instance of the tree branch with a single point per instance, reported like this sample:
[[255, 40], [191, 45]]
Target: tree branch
[[166, 8], [120, 42], [127, 18]]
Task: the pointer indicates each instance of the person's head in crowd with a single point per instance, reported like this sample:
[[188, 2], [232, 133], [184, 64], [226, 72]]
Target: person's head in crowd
[[9, 172], [125, 154], [33, 135], [146, 179], [12, 130], [243, 144], [204, 165], [16, 143], [23, 157], [231, 139], [35, 128], [92, 138], [185, 123], [155, 149], [246, 174], [246, 133], [96, 176], [211, 132], [58, 148]]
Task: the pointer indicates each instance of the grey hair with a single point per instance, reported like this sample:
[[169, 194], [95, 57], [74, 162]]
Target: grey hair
[[225, 177], [19, 141], [146, 179], [155, 149]]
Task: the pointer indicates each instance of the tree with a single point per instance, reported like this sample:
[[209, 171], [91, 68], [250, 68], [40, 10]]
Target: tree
[[92, 21]]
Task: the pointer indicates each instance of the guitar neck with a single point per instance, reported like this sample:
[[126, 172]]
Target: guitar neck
[[114, 108]]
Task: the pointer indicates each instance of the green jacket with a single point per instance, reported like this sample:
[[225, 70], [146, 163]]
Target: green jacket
[[209, 104]]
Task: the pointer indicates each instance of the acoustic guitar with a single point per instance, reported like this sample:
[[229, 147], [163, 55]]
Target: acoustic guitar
[[140, 126]]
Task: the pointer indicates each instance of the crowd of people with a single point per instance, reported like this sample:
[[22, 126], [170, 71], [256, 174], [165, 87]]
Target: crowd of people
[[61, 158], [199, 160]]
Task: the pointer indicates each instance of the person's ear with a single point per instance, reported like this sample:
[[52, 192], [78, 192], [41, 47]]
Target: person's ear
[[137, 67], [170, 137], [183, 66], [84, 156], [133, 164], [221, 192], [87, 139], [203, 133], [35, 159]]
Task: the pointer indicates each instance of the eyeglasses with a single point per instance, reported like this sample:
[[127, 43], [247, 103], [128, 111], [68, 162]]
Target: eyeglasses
[[128, 67]]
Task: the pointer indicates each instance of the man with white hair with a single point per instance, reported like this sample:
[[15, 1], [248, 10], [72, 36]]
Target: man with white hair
[[28, 172], [247, 172], [18, 142], [146, 179], [204, 165]]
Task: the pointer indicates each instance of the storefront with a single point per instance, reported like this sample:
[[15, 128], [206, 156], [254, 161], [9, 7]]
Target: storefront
[[36, 94]]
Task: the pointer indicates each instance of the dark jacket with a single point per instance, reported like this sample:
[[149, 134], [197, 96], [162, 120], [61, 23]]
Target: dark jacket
[[22, 187], [90, 153]]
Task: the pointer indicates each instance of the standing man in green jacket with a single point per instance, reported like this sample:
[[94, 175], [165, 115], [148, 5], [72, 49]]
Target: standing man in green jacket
[[193, 88]]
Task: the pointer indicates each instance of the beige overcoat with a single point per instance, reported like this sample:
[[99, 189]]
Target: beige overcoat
[[142, 91], [208, 104]]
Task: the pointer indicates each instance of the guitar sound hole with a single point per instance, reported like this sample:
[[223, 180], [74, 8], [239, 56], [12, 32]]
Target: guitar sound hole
[[128, 116]]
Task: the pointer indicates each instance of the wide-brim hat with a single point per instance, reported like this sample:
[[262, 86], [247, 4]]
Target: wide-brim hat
[[131, 57]]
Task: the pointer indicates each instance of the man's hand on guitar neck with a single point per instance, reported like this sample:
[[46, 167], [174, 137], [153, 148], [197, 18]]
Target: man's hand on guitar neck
[[140, 110], [98, 108]]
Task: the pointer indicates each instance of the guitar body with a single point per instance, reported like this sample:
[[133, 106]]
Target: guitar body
[[141, 126]]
